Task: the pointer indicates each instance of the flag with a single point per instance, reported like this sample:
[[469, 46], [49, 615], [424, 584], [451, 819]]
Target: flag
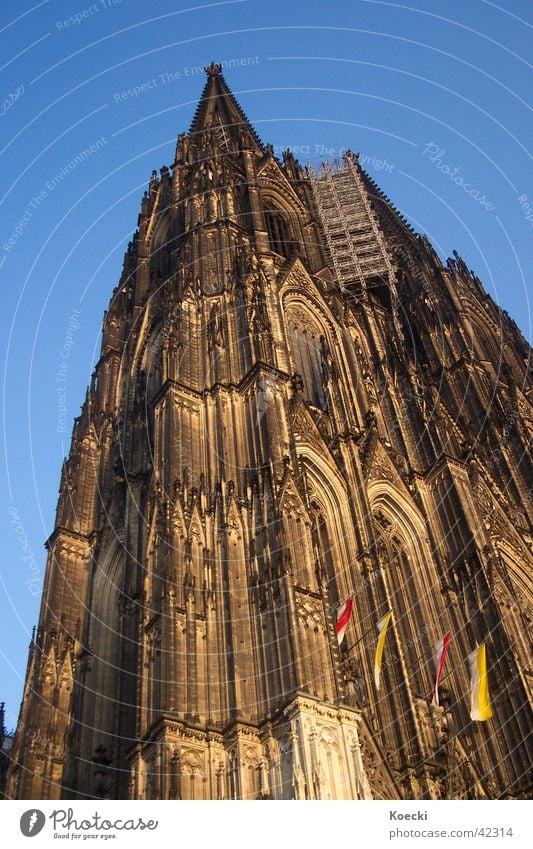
[[441, 650], [343, 617], [480, 708], [382, 633]]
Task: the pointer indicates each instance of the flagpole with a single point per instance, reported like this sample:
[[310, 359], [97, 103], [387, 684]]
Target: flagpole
[[372, 631], [365, 634], [414, 665]]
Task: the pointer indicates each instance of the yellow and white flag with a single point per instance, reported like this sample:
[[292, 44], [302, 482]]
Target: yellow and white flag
[[382, 633], [480, 708]]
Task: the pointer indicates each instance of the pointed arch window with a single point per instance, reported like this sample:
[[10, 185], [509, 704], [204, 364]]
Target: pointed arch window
[[279, 232], [326, 551], [404, 592], [306, 349]]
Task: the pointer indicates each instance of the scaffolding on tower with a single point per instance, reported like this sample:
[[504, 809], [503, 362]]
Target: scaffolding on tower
[[356, 245]]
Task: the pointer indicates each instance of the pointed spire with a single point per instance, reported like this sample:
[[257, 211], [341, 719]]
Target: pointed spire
[[218, 108]]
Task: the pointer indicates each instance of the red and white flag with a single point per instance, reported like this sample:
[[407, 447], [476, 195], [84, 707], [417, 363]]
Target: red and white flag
[[441, 650], [343, 617]]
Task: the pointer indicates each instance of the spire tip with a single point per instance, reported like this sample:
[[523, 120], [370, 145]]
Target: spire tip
[[213, 70]]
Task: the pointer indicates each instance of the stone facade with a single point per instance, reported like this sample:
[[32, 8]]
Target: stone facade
[[296, 400]]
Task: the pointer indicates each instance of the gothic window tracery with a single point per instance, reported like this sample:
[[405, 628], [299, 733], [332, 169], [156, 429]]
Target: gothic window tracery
[[279, 232], [397, 562], [511, 595], [307, 347], [151, 367], [326, 549]]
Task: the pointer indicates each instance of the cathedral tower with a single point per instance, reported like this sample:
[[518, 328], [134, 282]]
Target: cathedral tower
[[296, 402]]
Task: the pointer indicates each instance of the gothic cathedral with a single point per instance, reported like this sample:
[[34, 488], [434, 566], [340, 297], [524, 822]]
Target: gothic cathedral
[[296, 403]]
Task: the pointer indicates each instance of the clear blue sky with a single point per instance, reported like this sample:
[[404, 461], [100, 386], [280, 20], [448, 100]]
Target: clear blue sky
[[381, 78]]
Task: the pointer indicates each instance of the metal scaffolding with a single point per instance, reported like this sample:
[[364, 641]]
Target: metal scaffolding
[[354, 237]]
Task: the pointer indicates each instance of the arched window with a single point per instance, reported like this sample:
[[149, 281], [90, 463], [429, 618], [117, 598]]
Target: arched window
[[327, 552], [404, 594], [279, 232], [511, 590], [306, 349]]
